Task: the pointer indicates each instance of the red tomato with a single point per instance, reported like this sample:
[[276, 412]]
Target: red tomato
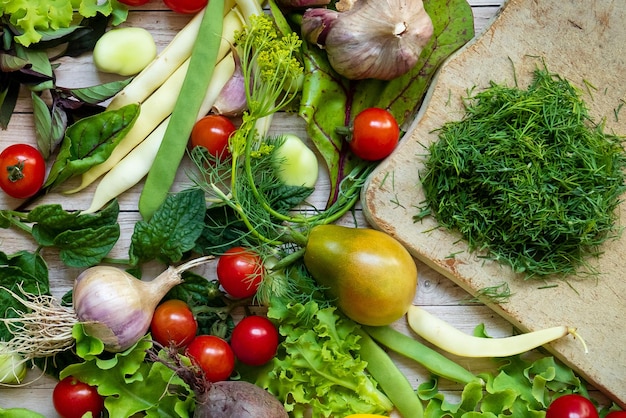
[[240, 272], [616, 414], [72, 399], [254, 340], [571, 406], [185, 6], [212, 132], [134, 3], [173, 323], [213, 355], [22, 170], [375, 134]]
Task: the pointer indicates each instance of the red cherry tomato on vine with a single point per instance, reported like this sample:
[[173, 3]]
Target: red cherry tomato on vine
[[616, 414], [254, 340], [173, 323], [22, 170], [212, 132], [185, 6], [72, 398], [134, 3], [240, 272], [571, 406], [375, 134], [213, 355]]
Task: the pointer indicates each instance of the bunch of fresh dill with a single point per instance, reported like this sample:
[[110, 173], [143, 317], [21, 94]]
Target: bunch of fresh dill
[[527, 177]]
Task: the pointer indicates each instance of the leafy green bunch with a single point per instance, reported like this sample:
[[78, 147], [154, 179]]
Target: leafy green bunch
[[37, 20], [527, 176]]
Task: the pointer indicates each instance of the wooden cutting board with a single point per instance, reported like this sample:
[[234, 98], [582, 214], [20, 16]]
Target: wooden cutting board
[[585, 42]]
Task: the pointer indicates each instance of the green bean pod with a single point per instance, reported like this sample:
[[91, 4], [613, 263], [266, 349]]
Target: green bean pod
[[430, 359], [391, 380], [201, 65]]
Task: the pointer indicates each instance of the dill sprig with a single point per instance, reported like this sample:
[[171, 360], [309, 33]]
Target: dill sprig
[[527, 177]]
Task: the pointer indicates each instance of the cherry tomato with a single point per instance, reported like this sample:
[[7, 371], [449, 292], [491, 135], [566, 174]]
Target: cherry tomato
[[240, 272], [213, 355], [616, 414], [375, 134], [22, 170], [254, 340], [72, 399], [134, 3], [571, 406], [212, 132], [173, 323], [185, 6]]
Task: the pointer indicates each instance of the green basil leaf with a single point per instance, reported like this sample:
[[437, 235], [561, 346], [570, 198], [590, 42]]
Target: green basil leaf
[[43, 124], [90, 141], [10, 63], [40, 63]]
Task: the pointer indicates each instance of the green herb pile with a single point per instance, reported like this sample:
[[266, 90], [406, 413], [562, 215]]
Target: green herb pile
[[527, 177]]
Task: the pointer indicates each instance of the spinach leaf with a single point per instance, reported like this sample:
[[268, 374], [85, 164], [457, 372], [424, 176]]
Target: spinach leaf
[[171, 231], [90, 141]]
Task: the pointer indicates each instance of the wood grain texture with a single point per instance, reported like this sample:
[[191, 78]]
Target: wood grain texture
[[442, 296], [584, 42]]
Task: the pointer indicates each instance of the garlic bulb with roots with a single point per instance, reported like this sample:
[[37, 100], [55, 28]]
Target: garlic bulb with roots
[[116, 307], [380, 39]]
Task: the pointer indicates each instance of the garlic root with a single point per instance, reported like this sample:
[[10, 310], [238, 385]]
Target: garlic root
[[42, 330]]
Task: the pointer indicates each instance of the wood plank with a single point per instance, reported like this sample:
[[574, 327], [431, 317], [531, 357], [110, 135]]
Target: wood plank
[[441, 295]]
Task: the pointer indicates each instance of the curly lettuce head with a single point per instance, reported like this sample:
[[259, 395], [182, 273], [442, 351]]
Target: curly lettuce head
[[32, 20]]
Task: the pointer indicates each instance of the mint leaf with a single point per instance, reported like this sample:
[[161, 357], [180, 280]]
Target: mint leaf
[[172, 230], [83, 239], [86, 247]]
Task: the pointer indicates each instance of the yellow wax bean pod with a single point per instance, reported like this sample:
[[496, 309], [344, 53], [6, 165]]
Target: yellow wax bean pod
[[446, 337]]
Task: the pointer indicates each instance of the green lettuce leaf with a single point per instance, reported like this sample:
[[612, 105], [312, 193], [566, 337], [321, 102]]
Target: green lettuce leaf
[[520, 387], [131, 384], [33, 18], [315, 367]]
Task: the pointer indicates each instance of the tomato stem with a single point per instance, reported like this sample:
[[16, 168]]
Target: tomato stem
[[16, 172]]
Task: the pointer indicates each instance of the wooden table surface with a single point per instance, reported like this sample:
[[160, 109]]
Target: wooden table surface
[[436, 292]]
